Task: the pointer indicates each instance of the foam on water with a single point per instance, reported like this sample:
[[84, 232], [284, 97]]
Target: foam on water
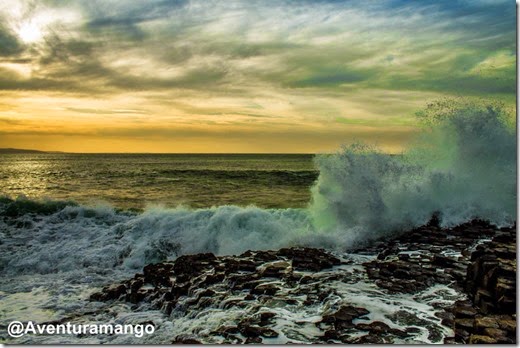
[[100, 239], [294, 323]]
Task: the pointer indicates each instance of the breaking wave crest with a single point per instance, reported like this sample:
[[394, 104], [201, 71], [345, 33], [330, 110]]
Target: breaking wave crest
[[102, 238], [462, 167]]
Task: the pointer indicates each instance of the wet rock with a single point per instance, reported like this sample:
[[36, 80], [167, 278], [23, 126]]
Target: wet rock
[[253, 340], [369, 339], [185, 340], [192, 264], [138, 296], [407, 318], [461, 335], [269, 333], [348, 313], [376, 327], [497, 334], [330, 335], [255, 331], [275, 269], [240, 265], [464, 324], [111, 292], [179, 290], [342, 319], [443, 261], [266, 318], [491, 285], [309, 259], [228, 330], [158, 274], [485, 322], [265, 289], [207, 293], [464, 310], [507, 323], [213, 279], [481, 339]]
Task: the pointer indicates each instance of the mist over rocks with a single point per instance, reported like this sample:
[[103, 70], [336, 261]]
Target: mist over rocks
[[461, 167]]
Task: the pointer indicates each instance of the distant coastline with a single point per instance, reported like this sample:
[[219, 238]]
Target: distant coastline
[[22, 151]]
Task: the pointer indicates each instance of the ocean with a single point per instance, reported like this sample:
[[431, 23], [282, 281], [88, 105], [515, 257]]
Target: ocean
[[71, 224], [133, 181]]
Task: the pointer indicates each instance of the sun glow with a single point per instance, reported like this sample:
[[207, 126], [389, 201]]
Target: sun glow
[[34, 27], [30, 32]]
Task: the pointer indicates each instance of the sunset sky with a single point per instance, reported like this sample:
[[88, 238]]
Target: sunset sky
[[242, 76]]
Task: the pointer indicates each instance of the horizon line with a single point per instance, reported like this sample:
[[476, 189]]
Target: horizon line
[[156, 153]]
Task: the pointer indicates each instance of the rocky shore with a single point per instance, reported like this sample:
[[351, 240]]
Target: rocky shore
[[489, 315], [260, 290]]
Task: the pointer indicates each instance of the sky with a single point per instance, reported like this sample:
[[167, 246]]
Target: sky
[[242, 76]]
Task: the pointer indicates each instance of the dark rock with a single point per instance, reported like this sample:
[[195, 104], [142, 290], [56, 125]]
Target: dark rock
[[401, 273], [347, 313], [192, 264], [370, 339], [179, 290], [461, 335], [112, 292], [138, 296], [276, 269], [265, 289], [330, 335], [374, 327], [309, 259], [465, 311], [158, 274], [253, 340], [269, 333], [499, 335], [507, 323], [491, 284], [213, 279], [265, 318], [481, 339], [443, 261], [185, 340], [255, 331], [485, 322], [226, 330], [465, 324], [207, 293]]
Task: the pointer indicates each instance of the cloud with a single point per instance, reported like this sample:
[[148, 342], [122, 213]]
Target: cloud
[[313, 44], [9, 43], [350, 63]]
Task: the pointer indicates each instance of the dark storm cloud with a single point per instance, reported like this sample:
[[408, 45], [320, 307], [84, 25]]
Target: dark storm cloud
[[9, 44]]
